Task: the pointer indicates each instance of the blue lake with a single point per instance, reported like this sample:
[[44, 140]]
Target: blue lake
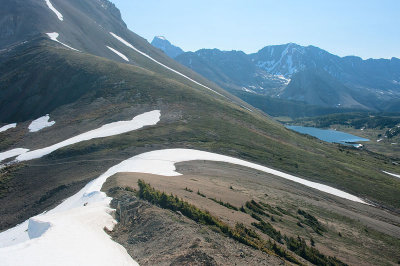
[[328, 135]]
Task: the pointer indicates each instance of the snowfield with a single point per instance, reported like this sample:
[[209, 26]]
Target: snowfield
[[12, 153], [72, 233], [6, 127], [52, 8], [40, 123], [119, 54], [161, 64], [107, 130], [54, 35]]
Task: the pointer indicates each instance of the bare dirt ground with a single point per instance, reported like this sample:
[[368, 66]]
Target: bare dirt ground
[[355, 233], [155, 236]]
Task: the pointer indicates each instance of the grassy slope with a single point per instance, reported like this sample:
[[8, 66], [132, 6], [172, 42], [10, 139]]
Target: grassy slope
[[207, 122]]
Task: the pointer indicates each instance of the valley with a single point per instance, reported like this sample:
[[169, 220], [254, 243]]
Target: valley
[[380, 128]]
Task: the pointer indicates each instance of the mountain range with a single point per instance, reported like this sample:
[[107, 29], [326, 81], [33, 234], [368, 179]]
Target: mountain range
[[114, 153], [295, 73]]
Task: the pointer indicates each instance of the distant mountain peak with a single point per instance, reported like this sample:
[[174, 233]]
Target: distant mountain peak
[[163, 44]]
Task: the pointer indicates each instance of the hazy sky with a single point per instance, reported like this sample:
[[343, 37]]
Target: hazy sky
[[366, 28]]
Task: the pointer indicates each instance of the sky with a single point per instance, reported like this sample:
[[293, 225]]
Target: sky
[[365, 28]]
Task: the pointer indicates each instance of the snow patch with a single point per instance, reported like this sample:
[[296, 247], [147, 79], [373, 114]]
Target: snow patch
[[247, 90], [119, 54], [395, 175], [52, 8], [285, 80], [76, 235], [12, 153], [161, 38], [54, 35], [111, 129], [71, 237], [40, 123], [6, 127], [161, 64], [162, 162]]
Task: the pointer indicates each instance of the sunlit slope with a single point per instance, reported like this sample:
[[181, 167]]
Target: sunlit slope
[[82, 92]]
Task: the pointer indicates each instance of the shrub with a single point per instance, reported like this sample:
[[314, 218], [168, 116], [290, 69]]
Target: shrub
[[201, 194], [299, 246], [225, 204], [270, 209], [255, 207], [312, 222], [269, 230]]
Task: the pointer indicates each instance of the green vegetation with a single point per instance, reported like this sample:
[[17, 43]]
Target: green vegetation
[[255, 207], [225, 204], [269, 230], [261, 208], [312, 242], [298, 245], [255, 216], [174, 203], [240, 233], [201, 194], [188, 189], [311, 254], [299, 224], [270, 209], [311, 221], [282, 211], [202, 122], [129, 189]]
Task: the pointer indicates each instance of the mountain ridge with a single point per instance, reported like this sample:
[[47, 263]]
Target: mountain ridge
[[371, 84]]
